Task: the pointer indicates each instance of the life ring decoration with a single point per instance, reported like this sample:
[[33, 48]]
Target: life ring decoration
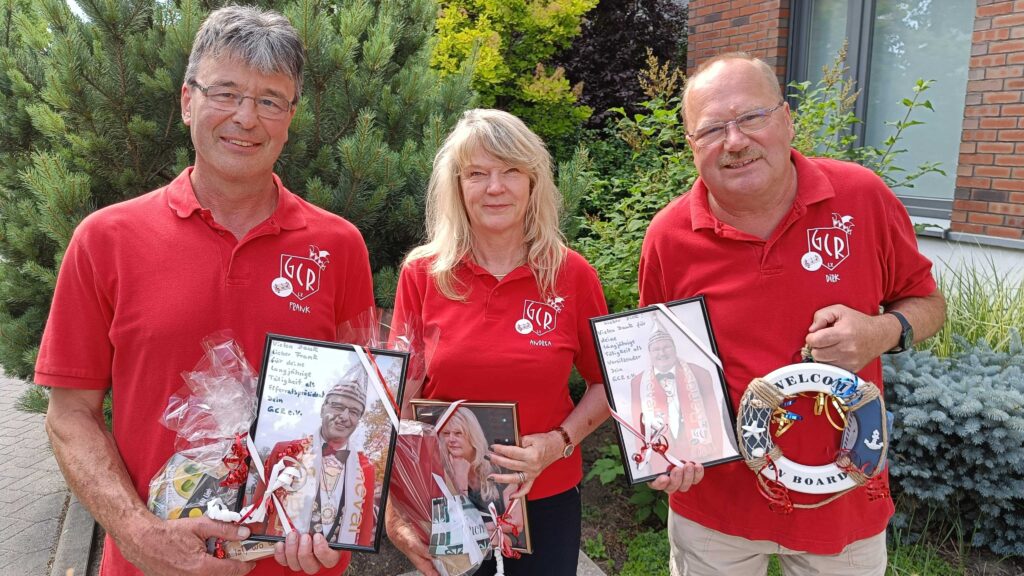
[[862, 451]]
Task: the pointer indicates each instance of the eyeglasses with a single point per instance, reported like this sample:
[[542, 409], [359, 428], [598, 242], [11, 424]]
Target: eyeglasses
[[747, 123], [340, 409], [228, 100]]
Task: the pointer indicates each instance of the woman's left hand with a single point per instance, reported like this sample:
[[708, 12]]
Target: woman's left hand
[[536, 454]]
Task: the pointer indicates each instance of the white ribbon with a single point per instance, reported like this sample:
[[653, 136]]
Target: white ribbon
[[499, 556], [456, 513], [686, 331], [280, 475], [378, 385], [648, 440], [216, 509], [446, 415]]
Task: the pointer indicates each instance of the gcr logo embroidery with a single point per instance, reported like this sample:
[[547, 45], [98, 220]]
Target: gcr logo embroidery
[[543, 316], [828, 247], [300, 275]]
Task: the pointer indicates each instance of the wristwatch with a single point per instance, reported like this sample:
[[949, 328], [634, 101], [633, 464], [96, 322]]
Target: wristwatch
[[906, 334], [569, 446]]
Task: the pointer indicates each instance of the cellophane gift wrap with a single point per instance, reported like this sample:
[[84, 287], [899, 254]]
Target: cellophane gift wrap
[[211, 415]]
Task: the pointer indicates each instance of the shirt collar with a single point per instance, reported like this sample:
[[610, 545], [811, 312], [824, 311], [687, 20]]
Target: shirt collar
[[181, 198], [812, 187]]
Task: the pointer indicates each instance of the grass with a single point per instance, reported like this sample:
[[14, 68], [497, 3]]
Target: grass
[[982, 303]]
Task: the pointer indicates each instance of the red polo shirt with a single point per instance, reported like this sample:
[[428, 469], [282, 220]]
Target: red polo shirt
[[144, 281], [479, 350], [860, 251]]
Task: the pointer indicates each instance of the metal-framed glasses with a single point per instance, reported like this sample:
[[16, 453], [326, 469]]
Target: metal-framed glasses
[[340, 409], [747, 123], [228, 100]]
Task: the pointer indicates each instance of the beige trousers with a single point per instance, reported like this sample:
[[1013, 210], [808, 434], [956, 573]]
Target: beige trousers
[[700, 551]]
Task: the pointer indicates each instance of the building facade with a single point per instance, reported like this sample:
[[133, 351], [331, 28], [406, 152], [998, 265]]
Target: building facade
[[973, 50]]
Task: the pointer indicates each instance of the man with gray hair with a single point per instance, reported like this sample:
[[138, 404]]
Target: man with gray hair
[[789, 252], [223, 246]]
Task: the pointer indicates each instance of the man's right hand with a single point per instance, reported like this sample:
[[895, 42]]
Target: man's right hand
[[176, 547], [405, 539], [678, 479]]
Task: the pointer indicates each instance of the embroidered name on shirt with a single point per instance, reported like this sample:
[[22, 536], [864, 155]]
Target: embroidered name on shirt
[[543, 343]]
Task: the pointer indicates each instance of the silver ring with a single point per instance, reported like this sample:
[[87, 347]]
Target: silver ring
[[522, 477]]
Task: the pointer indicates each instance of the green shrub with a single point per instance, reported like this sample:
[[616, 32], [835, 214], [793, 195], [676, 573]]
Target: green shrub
[[958, 444], [510, 44], [648, 555]]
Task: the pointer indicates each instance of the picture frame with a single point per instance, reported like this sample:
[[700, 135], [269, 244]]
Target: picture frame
[[663, 377], [497, 423], [309, 393]]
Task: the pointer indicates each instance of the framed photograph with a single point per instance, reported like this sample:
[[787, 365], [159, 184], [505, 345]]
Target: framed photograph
[[664, 378], [464, 440], [320, 412]]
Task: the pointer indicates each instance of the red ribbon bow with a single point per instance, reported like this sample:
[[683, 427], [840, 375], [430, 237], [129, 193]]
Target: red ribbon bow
[[235, 461], [658, 443]]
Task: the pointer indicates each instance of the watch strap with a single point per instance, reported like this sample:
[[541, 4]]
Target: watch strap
[[905, 333], [567, 450]]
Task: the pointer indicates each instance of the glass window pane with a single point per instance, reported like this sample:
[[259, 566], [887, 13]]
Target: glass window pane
[[827, 34], [921, 39]]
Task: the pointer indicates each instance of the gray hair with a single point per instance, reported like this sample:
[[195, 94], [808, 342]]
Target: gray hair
[[262, 39], [762, 67]]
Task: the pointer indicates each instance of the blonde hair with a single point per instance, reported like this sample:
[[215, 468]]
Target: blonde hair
[[465, 420], [449, 233]]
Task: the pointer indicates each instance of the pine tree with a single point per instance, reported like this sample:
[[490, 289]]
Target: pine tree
[[89, 116]]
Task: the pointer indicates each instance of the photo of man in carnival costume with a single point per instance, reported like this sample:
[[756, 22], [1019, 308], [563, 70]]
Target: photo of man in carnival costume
[[334, 493], [678, 398]]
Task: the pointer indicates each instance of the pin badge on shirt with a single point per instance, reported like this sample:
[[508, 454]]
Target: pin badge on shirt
[[524, 326], [811, 261], [281, 286]]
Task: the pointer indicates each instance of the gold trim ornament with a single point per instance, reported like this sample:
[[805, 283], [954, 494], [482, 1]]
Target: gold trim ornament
[[860, 457]]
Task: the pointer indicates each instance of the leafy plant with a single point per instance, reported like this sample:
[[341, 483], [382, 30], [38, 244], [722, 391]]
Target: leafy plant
[[649, 503], [610, 52], [595, 548], [608, 467], [648, 555], [511, 43]]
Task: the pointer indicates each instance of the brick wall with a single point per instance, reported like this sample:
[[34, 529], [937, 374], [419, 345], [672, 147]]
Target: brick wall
[[990, 177], [758, 27]]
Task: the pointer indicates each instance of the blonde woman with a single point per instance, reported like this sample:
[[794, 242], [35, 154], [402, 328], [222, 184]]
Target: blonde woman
[[507, 306], [463, 451]]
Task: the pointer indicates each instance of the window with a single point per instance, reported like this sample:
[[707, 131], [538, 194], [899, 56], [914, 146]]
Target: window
[[892, 44]]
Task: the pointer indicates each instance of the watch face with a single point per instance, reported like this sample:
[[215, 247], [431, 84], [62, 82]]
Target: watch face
[[907, 342], [568, 451]]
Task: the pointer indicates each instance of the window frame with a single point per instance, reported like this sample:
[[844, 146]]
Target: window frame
[[860, 16]]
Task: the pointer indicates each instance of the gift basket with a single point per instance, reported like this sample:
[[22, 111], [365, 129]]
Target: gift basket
[[209, 413]]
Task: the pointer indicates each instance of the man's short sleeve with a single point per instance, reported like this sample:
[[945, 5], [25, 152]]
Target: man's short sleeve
[[76, 351]]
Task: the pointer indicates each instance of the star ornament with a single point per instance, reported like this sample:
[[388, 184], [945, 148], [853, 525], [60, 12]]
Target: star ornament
[[752, 430]]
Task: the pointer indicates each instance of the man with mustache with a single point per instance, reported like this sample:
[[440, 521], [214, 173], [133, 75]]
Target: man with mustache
[[223, 246], [334, 494], [788, 251]]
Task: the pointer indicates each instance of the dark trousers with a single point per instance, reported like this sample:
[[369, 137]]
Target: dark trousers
[[555, 535]]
